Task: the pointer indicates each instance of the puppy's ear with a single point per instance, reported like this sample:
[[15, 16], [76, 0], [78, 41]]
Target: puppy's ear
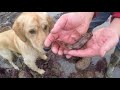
[[18, 29], [51, 22]]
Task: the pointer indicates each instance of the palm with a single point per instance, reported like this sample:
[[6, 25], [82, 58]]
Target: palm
[[102, 41], [68, 29], [68, 36], [71, 28]]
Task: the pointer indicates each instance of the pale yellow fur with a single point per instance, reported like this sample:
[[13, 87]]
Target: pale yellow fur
[[19, 40]]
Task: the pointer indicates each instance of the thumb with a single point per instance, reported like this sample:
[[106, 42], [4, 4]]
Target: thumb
[[60, 24], [50, 39], [68, 56]]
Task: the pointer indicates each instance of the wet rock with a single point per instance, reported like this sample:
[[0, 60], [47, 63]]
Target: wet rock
[[83, 63], [8, 73], [3, 73], [74, 75], [74, 59], [12, 73], [83, 74], [101, 65], [56, 71], [99, 74], [89, 74], [7, 18], [51, 67], [24, 74]]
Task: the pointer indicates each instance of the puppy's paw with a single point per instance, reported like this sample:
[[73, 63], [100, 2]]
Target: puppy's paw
[[45, 57], [41, 71], [16, 68]]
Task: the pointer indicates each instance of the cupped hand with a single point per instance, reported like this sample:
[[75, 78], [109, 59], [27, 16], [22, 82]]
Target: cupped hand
[[102, 41], [68, 29]]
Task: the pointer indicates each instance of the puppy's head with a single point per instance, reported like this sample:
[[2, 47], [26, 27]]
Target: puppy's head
[[33, 27]]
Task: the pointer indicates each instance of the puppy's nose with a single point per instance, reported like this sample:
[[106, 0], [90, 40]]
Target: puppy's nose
[[46, 49]]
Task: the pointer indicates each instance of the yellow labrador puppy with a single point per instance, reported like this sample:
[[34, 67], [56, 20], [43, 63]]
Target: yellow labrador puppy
[[27, 38]]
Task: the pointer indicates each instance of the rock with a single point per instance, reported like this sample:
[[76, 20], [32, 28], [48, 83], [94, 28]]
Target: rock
[[74, 75], [7, 18], [89, 74], [74, 59], [83, 63], [99, 74], [8, 73], [12, 73], [24, 74], [101, 65], [3, 73]]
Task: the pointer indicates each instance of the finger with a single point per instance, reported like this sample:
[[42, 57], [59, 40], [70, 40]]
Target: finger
[[82, 53], [59, 24], [68, 56], [109, 44], [50, 39], [60, 52], [66, 51], [55, 48]]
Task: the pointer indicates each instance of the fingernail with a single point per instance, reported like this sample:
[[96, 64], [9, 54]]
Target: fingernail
[[54, 51], [68, 57]]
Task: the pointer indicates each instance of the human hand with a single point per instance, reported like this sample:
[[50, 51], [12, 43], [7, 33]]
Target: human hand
[[68, 29], [102, 41]]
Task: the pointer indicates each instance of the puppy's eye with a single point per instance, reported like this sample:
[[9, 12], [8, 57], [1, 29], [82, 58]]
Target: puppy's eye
[[32, 31], [45, 27]]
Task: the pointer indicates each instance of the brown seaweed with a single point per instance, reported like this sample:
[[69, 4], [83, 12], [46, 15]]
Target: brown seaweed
[[84, 39]]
